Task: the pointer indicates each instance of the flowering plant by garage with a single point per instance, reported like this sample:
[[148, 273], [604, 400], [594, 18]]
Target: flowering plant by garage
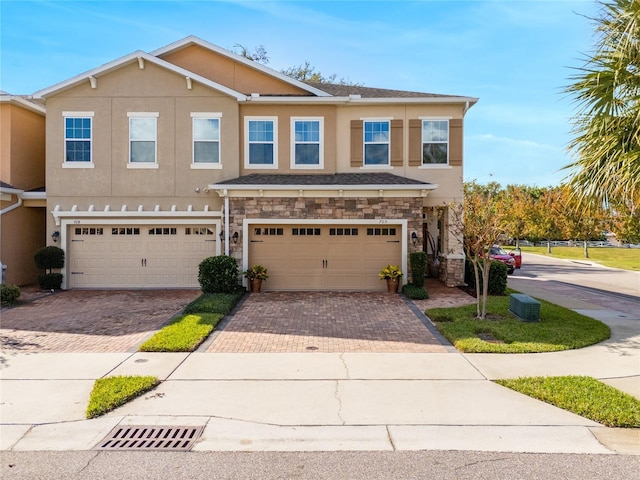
[[257, 272], [390, 272]]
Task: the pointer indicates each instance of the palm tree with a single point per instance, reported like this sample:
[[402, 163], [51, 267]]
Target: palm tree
[[607, 122]]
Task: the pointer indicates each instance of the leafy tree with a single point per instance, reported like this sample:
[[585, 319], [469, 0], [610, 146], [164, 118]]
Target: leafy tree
[[583, 220], [259, 53], [304, 72], [607, 122], [543, 220], [482, 218]]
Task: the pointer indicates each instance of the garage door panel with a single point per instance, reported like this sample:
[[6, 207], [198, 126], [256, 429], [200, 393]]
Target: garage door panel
[[138, 256], [327, 257]]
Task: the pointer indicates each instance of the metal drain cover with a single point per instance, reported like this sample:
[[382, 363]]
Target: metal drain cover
[[151, 438]]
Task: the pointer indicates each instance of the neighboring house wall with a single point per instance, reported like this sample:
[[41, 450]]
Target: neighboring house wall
[[22, 228]]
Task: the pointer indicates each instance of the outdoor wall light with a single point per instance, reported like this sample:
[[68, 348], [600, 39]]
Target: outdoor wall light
[[235, 237], [414, 237], [55, 236], [221, 236]]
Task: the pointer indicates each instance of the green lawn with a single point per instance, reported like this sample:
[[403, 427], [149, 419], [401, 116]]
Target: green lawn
[[624, 258], [111, 392], [184, 334], [502, 332], [584, 396]]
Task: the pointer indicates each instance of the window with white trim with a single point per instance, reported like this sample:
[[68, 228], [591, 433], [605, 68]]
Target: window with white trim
[[376, 142], [143, 133], [307, 136], [206, 139], [261, 146], [435, 142], [78, 138]]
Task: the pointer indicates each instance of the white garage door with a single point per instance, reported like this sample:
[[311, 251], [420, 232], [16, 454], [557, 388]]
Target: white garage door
[[138, 256], [324, 257]]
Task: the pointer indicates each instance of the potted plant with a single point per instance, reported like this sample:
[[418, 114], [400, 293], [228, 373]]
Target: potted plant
[[256, 274], [392, 274]]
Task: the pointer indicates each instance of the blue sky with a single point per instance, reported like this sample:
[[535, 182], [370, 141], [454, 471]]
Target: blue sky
[[515, 56]]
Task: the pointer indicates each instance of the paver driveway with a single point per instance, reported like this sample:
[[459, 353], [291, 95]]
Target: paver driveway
[[89, 320], [324, 322]]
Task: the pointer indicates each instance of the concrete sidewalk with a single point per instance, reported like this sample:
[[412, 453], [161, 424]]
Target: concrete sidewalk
[[326, 401]]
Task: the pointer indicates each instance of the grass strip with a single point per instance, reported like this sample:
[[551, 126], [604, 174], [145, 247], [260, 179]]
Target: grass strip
[[584, 396], [559, 328], [624, 258], [111, 392], [214, 303], [183, 334]]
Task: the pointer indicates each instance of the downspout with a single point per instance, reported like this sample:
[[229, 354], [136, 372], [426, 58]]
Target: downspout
[[11, 207], [226, 223]]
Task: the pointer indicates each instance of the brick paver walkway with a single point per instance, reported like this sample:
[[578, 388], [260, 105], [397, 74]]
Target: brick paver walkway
[[89, 320], [324, 322]]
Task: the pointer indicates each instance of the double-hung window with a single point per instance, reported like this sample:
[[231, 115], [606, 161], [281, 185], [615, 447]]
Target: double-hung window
[[206, 140], [307, 145], [376, 142], [435, 142], [261, 145], [143, 133], [78, 139]]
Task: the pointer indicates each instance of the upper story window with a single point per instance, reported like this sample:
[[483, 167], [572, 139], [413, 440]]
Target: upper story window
[[435, 142], [261, 146], [78, 138], [206, 140], [307, 143], [143, 132], [376, 142]]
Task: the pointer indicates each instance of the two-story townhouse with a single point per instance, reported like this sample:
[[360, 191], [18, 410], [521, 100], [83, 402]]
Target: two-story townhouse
[[22, 197], [156, 161]]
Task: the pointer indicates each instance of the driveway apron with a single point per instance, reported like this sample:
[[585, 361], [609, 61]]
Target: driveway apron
[[281, 322], [89, 320]]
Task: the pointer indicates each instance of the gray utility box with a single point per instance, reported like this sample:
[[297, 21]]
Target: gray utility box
[[524, 307]]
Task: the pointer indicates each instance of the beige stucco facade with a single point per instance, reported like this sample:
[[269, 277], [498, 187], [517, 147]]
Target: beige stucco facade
[[22, 222], [193, 77]]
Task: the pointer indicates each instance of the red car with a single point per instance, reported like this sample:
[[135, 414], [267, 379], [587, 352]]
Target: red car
[[516, 253], [498, 253]]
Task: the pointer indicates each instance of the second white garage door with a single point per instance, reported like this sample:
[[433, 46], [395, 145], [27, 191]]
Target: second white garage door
[[138, 256], [324, 257]]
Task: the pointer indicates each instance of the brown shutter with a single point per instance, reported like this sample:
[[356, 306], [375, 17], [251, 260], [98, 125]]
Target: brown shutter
[[396, 143], [357, 142], [415, 142], [455, 142]]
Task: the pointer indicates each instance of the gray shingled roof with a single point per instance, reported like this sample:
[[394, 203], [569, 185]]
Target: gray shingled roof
[[338, 90], [5, 185], [323, 179]]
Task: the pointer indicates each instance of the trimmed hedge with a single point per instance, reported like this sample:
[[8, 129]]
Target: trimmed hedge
[[415, 292], [497, 277], [219, 274], [9, 294], [50, 281], [49, 257], [418, 263]]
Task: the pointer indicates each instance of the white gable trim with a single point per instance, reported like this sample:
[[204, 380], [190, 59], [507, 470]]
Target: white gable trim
[[185, 42], [22, 102], [131, 58]]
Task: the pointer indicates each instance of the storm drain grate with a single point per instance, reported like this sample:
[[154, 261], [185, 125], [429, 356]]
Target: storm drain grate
[[151, 437]]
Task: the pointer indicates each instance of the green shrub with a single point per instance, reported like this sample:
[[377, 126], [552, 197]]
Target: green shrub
[[50, 281], [213, 303], [497, 277], [415, 292], [418, 263], [9, 294], [49, 257], [218, 274]]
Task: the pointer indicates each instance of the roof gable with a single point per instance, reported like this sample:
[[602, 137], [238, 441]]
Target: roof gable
[[140, 57], [232, 70]]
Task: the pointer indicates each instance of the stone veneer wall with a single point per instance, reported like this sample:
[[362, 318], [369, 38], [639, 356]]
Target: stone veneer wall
[[452, 271], [393, 208]]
